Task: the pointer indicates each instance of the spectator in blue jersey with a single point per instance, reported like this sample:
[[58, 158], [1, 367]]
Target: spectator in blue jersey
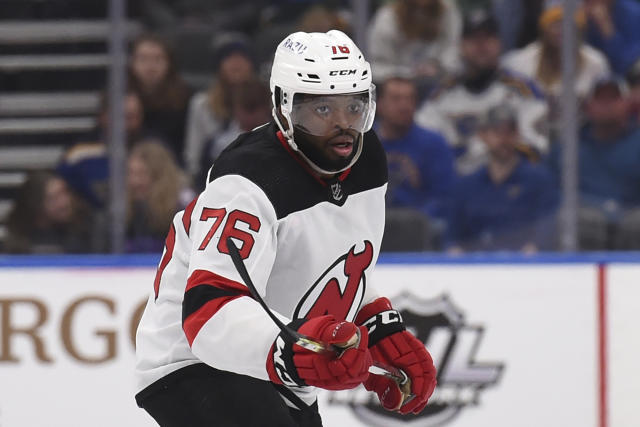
[[421, 171], [609, 177], [458, 104], [613, 28], [610, 146], [420, 162], [85, 166], [510, 203]]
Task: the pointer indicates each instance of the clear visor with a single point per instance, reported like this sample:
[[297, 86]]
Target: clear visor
[[321, 115]]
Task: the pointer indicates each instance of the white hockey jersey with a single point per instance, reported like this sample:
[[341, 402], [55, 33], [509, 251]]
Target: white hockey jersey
[[455, 111], [310, 247]]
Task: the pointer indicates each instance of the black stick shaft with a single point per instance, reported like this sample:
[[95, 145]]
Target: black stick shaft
[[244, 274], [296, 337]]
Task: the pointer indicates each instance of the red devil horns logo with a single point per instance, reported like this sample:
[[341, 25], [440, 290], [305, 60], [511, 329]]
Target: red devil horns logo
[[340, 289]]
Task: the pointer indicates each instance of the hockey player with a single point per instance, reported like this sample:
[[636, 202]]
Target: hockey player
[[303, 199]]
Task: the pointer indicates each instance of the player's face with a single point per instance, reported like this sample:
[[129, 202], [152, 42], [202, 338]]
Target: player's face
[[327, 128], [332, 152], [324, 115]]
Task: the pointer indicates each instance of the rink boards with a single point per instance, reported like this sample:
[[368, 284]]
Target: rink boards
[[517, 342]]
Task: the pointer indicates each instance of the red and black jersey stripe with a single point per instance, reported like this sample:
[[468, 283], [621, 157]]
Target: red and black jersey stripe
[[169, 244], [205, 294]]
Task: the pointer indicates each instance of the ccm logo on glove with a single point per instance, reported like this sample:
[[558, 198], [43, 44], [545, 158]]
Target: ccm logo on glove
[[383, 324], [279, 363], [391, 345]]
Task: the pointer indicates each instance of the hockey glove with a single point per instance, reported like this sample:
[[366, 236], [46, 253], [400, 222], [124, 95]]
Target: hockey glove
[[292, 365], [390, 344]]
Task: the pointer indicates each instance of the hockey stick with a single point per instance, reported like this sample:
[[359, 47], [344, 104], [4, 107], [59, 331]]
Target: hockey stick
[[296, 337]]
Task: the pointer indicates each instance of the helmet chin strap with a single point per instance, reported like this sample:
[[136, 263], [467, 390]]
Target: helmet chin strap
[[288, 134]]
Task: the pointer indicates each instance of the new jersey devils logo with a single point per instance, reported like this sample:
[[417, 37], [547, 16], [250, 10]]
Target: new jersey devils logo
[[340, 289]]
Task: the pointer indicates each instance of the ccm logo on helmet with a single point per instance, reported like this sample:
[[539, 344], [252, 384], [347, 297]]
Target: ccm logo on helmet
[[342, 72]]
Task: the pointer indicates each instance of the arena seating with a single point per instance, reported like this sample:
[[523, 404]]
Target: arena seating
[[53, 64]]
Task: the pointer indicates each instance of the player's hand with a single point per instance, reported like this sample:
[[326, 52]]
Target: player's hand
[[292, 365], [392, 345], [406, 352]]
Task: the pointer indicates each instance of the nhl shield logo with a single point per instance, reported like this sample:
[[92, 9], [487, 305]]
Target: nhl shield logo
[[453, 345], [336, 191]]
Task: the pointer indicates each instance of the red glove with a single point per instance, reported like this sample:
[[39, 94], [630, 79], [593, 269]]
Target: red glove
[[292, 365], [390, 344]]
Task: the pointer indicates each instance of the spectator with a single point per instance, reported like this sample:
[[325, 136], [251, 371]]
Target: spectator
[[165, 96], [320, 19], [156, 189], [509, 203], [456, 107], [414, 38], [47, 218], [85, 166], [225, 15], [609, 176], [210, 111], [542, 61], [518, 21], [420, 161], [612, 27], [610, 146], [251, 107]]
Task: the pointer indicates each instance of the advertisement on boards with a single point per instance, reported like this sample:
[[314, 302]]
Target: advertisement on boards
[[513, 344]]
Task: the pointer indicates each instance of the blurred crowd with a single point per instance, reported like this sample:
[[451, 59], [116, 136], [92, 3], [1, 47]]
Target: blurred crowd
[[469, 113]]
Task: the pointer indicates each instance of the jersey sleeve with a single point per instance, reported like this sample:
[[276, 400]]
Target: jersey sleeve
[[532, 115], [225, 327], [430, 116]]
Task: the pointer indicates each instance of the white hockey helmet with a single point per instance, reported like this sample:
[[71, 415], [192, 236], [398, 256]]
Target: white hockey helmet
[[321, 64]]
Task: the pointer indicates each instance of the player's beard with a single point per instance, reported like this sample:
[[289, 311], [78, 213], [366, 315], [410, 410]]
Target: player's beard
[[318, 157]]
